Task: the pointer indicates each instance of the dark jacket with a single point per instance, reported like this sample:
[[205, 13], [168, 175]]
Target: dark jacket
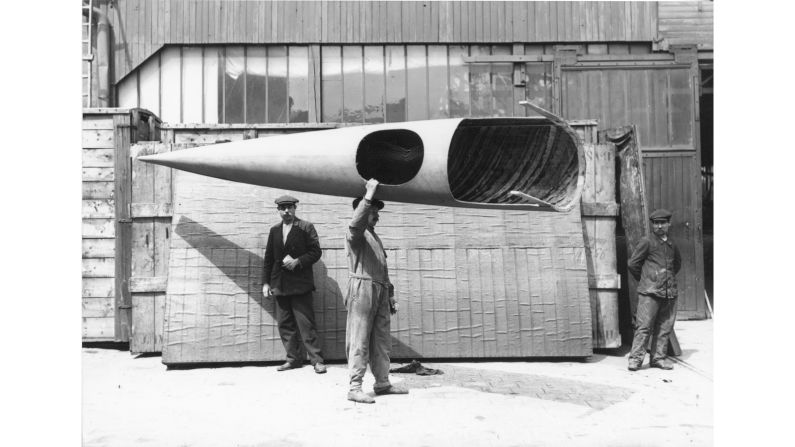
[[655, 264], [302, 244]]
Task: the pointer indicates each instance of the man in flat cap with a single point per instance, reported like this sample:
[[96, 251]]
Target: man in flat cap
[[292, 248], [370, 300], [655, 263]]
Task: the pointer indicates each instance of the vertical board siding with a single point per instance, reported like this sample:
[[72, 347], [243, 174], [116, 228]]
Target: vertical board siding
[[123, 135], [470, 283], [676, 173], [660, 102], [600, 246], [142, 27], [146, 243], [107, 135]]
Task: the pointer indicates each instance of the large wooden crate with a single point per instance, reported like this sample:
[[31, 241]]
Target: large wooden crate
[[471, 283], [150, 246], [107, 135], [435, 326]]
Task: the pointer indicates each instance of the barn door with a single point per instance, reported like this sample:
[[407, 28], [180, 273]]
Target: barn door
[[657, 93], [150, 211]]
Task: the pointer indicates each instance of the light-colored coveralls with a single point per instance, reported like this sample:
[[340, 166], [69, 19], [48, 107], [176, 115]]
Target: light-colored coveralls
[[367, 301]]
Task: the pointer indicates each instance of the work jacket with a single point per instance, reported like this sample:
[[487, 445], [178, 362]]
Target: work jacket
[[655, 263], [303, 244], [366, 256]]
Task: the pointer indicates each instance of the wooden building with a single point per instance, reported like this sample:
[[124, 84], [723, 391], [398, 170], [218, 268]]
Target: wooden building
[[206, 68]]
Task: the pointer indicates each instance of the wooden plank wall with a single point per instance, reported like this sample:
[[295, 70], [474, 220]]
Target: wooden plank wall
[[686, 23], [599, 209], [106, 253], [671, 179], [150, 239], [142, 27], [98, 215], [472, 283], [659, 100]]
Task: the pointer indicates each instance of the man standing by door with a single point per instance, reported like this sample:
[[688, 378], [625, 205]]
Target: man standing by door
[[370, 300], [292, 248], [655, 263]]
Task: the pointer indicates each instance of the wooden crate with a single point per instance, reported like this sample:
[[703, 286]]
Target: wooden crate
[[148, 288], [467, 314], [107, 135], [471, 283]]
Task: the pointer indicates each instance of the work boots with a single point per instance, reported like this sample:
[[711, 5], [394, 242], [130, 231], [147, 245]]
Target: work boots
[[288, 365], [391, 389], [662, 364], [360, 397]]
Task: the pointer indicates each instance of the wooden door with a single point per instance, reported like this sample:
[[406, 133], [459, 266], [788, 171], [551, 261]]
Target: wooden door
[[657, 94]]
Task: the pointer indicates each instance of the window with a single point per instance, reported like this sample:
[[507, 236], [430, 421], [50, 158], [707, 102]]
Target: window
[[256, 84], [352, 84], [331, 83], [278, 105], [234, 86], [438, 91], [395, 83], [416, 83], [538, 84], [374, 84], [298, 84], [337, 84]]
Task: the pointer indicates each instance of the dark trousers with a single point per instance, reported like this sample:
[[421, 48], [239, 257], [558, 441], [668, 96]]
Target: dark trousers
[[655, 317], [297, 322]]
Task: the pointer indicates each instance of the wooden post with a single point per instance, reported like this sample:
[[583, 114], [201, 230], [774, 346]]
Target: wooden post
[[123, 226], [564, 55], [519, 81], [599, 211], [632, 194]]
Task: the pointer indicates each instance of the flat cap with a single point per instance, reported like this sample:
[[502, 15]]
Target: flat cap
[[375, 202], [660, 214], [285, 200]]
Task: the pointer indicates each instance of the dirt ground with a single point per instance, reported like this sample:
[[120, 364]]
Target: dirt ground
[[129, 400]]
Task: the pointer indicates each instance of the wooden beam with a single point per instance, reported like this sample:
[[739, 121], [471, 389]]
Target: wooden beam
[[149, 284], [509, 58], [121, 124], [261, 126], [625, 57], [151, 210], [599, 209], [604, 281]]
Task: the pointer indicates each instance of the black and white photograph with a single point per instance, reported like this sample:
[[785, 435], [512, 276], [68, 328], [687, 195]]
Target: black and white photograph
[[397, 223], [433, 223]]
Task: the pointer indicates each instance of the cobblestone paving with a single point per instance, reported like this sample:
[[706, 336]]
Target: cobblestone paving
[[530, 385]]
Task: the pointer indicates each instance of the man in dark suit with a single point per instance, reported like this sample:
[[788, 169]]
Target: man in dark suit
[[292, 248]]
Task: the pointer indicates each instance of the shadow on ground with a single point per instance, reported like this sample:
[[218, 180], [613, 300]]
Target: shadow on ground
[[596, 396]]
